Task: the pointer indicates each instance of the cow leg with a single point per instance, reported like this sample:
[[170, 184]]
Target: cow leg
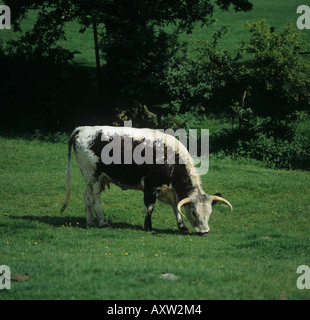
[[89, 206], [97, 206], [180, 221], [148, 216], [92, 204], [149, 204]]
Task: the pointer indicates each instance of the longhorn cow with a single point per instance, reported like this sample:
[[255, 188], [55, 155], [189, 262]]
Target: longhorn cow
[[173, 182]]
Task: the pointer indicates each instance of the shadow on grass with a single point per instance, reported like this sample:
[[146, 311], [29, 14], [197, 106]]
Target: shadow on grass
[[55, 221], [80, 222]]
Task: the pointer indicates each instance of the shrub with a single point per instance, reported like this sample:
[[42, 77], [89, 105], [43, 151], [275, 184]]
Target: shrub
[[275, 98], [193, 79], [275, 153], [278, 79]]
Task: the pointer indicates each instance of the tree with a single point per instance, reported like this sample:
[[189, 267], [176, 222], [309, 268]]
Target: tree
[[135, 42]]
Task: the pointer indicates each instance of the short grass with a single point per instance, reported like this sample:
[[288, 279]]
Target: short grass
[[250, 253], [277, 13]]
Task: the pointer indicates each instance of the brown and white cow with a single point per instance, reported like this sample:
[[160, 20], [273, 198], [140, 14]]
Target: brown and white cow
[[137, 164]]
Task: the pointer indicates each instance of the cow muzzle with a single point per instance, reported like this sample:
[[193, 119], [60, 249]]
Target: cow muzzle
[[202, 233]]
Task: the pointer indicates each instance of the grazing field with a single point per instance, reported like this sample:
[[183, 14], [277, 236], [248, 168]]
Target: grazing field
[[276, 12], [251, 253]]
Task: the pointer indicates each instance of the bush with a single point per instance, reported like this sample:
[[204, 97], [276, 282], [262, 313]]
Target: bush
[[278, 79], [193, 79], [275, 98], [276, 153]]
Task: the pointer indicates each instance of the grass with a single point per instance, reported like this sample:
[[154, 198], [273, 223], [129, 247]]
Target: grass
[[250, 253], [276, 12]]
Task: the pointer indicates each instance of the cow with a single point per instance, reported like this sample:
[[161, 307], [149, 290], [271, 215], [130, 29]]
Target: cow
[[173, 182]]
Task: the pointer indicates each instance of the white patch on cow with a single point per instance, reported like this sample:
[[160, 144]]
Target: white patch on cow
[[85, 157], [149, 209]]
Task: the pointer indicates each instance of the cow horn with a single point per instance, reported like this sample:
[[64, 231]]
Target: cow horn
[[216, 198], [181, 203]]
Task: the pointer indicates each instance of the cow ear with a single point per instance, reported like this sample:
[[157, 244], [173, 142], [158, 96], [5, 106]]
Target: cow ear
[[216, 201]]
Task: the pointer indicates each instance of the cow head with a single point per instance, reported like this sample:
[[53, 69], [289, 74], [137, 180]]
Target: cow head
[[198, 210]]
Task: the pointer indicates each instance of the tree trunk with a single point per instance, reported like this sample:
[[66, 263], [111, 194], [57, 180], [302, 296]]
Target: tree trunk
[[95, 31]]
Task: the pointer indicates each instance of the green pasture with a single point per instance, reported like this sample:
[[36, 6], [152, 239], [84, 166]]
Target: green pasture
[[251, 253], [277, 13]]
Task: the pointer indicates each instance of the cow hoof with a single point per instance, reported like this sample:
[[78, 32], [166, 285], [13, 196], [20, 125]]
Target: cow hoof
[[183, 229], [147, 229]]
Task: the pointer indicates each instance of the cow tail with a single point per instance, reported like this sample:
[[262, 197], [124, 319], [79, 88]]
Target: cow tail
[[68, 174]]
